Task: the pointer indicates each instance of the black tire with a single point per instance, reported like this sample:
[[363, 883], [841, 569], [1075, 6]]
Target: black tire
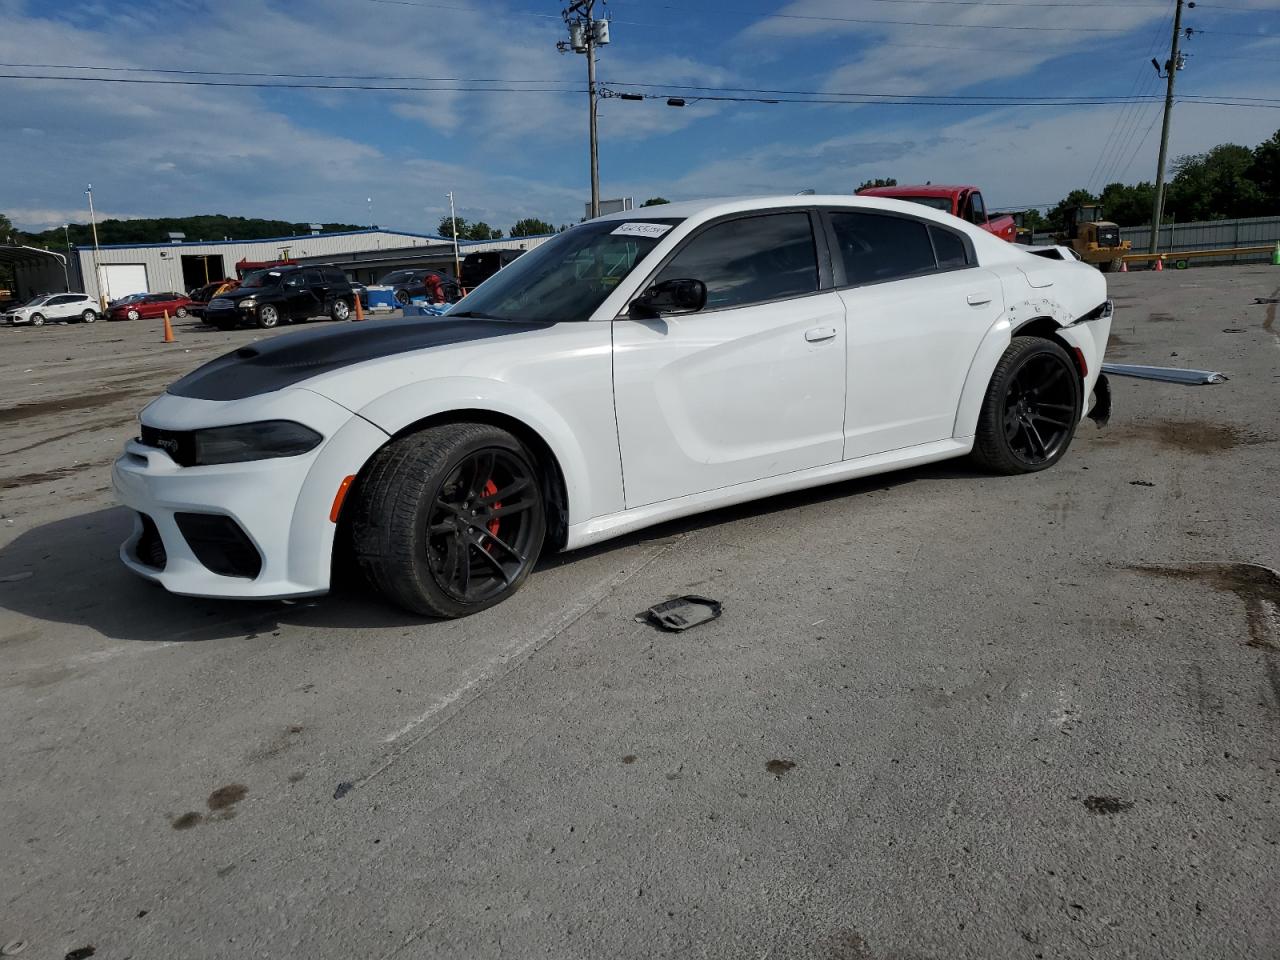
[[89, 316], [37, 319], [268, 316], [180, 312], [402, 297], [1031, 408], [423, 526], [340, 311], [132, 314]]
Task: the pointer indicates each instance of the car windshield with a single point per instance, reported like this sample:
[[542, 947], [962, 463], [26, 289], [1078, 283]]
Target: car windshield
[[36, 301], [938, 203], [261, 278], [569, 276]]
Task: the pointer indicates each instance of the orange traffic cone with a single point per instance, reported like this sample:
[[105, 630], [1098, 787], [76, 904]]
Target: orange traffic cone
[[168, 329], [1124, 266], [359, 311], [1159, 264]]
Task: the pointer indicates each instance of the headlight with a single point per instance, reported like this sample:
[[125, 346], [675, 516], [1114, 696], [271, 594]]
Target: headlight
[[251, 441], [248, 302]]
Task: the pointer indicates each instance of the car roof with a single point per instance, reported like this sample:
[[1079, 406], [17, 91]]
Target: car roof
[[917, 190], [721, 206]]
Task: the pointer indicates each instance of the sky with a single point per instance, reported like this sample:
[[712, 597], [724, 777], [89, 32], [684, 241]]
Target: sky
[[510, 139]]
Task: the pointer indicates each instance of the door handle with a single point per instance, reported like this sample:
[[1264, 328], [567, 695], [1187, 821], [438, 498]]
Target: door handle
[[978, 299], [815, 334]]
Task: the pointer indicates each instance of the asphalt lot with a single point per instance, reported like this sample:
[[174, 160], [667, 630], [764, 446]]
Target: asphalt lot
[[944, 715]]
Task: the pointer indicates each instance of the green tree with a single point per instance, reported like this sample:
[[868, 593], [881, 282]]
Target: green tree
[[1129, 206], [655, 202], [878, 182], [445, 229], [1265, 172], [531, 227], [1214, 186], [1033, 221]]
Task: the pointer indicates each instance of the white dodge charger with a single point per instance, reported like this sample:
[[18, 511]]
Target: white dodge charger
[[636, 368]]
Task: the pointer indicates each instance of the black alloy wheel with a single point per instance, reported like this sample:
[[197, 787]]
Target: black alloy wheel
[[1031, 408], [402, 297], [450, 520], [479, 534]]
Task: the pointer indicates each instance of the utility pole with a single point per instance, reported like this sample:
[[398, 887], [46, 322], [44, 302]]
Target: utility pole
[[104, 291], [457, 264], [585, 34], [1171, 68], [66, 278]]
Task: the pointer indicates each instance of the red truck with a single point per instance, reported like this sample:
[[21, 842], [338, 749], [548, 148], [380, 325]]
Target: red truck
[[963, 202]]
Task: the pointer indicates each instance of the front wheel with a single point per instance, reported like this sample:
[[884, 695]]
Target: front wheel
[[89, 316], [1030, 410], [133, 314], [37, 319], [340, 310], [449, 521], [268, 316]]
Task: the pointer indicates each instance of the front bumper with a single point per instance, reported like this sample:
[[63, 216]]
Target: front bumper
[[14, 319], [281, 505]]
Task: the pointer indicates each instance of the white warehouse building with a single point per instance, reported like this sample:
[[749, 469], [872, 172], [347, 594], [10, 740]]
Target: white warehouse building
[[181, 266]]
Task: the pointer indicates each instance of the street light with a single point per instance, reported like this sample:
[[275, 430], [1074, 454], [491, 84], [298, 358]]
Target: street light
[[66, 278], [104, 290]]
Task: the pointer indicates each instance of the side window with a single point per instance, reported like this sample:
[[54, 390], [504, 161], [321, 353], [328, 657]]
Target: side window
[[977, 210], [293, 281], [334, 275], [950, 248], [876, 247], [57, 301], [750, 260]]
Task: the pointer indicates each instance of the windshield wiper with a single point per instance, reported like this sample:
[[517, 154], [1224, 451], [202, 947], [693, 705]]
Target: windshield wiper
[[475, 314]]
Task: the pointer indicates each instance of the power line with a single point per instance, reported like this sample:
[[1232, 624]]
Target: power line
[[290, 86], [282, 76]]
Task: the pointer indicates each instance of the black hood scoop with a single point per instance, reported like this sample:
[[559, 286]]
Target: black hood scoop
[[290, 359]]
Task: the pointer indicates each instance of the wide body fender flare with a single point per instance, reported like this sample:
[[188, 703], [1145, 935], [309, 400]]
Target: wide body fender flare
[[593, 484], [992, 347]]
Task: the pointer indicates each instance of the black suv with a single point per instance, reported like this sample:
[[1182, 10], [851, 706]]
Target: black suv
[[266, 298]]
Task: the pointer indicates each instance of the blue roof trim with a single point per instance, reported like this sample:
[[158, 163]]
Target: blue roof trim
[[227, 243]]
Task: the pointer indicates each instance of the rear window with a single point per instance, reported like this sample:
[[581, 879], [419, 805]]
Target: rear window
[[951, 249]]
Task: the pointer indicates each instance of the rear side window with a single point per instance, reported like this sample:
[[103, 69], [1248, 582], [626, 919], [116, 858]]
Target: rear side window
[[951, 250], [334, 275], [750, 260], [875, 247]]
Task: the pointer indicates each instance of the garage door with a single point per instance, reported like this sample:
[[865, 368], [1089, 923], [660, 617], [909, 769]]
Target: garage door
[[121, 279]]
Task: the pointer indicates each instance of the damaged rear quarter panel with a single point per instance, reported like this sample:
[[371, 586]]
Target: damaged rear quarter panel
[[1063, 291]]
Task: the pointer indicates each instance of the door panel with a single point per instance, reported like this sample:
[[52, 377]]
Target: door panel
[[708, 400], [910, 344]]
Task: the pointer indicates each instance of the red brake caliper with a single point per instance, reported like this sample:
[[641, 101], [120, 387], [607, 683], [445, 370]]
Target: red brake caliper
[[490, 488]]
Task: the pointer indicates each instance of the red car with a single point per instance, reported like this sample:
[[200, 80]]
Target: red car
[[964, 202], [152, 305]]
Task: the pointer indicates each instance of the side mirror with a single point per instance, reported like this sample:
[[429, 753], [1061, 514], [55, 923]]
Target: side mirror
[[669, 296]]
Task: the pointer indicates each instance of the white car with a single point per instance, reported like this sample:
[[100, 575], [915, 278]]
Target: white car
[[54, 306], [638, 367]]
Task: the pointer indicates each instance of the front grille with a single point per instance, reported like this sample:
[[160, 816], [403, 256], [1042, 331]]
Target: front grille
[[180, 445], [220, 544], [150, 549], [220, 304]]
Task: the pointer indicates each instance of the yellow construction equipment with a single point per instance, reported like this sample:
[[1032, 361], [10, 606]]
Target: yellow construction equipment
[[1094, 240]]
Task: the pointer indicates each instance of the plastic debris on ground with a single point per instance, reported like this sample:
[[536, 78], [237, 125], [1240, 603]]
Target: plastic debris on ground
[[1167, 374], [681, 613]]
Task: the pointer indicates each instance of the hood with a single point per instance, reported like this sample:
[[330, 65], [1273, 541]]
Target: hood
[[290, 359]]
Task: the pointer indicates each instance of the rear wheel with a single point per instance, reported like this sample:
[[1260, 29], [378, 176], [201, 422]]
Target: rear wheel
[[1031, 408], [402, 297], [268, 316], [89, 316], [340, 310], [180, 312], [451, 520]]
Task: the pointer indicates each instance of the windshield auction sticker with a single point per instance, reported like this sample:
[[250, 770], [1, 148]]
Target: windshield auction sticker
[[653, 230]]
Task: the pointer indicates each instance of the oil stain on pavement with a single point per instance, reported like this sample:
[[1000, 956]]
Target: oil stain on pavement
[[1256, 585], [221, 804]]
